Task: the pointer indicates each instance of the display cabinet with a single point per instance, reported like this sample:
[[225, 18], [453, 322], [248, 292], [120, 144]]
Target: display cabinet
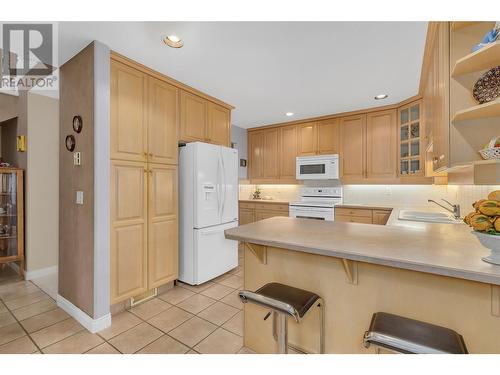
[[12, 217], [410, 148]]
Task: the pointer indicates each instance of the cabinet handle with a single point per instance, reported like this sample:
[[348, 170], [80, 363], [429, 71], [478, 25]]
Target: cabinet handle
[[150, 154], [441, 157], [435, 159]]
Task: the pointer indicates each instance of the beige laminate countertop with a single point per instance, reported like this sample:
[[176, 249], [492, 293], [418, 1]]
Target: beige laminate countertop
[[275, 201], [442, 249], [364, 206]]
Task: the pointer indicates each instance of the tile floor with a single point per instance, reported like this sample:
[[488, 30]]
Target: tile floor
[[187, 319]]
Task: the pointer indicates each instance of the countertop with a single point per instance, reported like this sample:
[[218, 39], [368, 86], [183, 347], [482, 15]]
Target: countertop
[[275, 201], [442, 249], [364, 206]]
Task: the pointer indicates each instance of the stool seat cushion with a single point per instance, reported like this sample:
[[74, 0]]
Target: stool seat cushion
[[413, 336], [301, 300]]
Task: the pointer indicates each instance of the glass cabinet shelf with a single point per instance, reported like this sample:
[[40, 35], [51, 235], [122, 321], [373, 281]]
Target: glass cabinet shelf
[[409, 139]]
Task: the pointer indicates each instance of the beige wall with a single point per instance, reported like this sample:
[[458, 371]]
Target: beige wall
[[42, 182]]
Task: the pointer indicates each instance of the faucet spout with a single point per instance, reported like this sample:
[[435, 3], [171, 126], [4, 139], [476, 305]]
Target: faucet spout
[[455, 211]]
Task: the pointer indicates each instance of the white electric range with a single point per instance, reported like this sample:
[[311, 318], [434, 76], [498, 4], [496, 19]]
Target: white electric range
[[316, 203]]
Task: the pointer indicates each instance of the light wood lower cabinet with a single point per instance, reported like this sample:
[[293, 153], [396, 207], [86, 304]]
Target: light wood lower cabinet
[[129, 219], [144, 250], [250, 212], [162, 225], [362, 215]]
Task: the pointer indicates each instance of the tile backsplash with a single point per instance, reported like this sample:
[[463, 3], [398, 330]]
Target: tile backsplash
[[412, 195]]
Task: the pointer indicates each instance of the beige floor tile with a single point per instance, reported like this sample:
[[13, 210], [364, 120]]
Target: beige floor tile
[[240, 274], [6, 318], [150, 308], [37, 322], [217, 291], [170, 319], [221, 277], [104, 348], [196, 288], [34, 309], [164, 345], [192, 352], [246, 350], [13, 284], [120, 323], [22, 345], [193, 331], [235, 324], [76, 344], [218, 313], [18, 292], [3, 308], [56, 332], [10, 333], [196, 303], [233, 299], [220, 342], [176, 295], [232, 281], [136, 338], [26, 300]]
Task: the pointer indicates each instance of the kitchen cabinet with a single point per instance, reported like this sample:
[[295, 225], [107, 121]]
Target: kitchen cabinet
[[162, 122], [381, 144], [204, 121], [129, 222], [246, 216], [162, 225], [271, 157], [307, 139], [264, 155], [411, 140], [254, 211], [353, 147], [219, 125], [256, 154], [128, 113], [288, 152], [362, 215]]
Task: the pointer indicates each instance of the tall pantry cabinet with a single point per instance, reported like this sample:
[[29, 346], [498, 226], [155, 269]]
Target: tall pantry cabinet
[[143, 186]]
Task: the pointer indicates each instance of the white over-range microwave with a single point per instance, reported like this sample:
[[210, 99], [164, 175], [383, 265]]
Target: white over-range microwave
[[322, 167]]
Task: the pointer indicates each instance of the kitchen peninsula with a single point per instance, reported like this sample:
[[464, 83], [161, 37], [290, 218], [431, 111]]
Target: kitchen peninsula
[[430, 272]]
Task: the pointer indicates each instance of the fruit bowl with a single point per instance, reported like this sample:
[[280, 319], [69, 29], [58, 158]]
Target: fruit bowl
[[492, 242]]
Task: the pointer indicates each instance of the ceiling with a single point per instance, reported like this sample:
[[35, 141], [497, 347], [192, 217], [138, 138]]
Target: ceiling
[[265, 69]]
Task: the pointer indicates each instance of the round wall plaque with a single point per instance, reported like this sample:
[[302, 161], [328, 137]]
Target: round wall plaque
[[77, 123], [70, 143]]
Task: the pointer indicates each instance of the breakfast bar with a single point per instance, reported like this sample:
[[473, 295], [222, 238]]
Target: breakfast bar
[[429, 272]]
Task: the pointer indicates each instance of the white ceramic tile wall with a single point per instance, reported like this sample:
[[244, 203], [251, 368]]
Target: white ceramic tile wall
[[414, 195]]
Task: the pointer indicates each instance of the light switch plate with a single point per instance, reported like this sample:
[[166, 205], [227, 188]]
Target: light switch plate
[[79, 197]]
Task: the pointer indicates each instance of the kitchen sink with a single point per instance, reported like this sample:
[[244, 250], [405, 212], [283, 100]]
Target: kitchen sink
[[428, 217]]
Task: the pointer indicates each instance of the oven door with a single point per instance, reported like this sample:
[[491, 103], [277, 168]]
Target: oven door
[[316, 213], [317, 168]]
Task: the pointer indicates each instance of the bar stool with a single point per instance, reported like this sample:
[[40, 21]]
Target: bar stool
[[409, 336], [285, 301]]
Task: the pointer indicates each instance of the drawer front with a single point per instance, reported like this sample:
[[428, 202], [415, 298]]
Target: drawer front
[[247, 205], [361, 212], [353, 219], [271, 206], [266, 214]]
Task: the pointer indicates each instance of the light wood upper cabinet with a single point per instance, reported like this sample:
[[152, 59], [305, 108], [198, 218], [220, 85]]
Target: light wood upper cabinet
[[328, 137], [193, 115], [288, 152], [128, 113], [162, 122], [128, 204], [162, 225], [307, 140], [256, 154], [353, 146], [381, 156], [219, 125], [271, 158]]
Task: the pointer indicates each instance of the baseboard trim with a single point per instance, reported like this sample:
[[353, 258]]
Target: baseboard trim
[[92, 325], [30, 275]]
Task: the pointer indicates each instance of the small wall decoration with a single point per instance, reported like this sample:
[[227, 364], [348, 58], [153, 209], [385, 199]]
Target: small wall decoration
[[243, 162], [70, 143], [77, 123], [21, 143]]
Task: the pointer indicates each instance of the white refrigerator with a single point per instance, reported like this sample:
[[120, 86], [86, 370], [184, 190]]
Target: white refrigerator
[[208, 205]]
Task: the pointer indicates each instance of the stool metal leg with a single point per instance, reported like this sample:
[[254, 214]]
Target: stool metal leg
[[321, 306], [283, 334]]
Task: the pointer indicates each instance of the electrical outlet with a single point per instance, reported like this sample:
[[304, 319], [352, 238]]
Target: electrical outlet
[[79, 197], [388, 190], [77, 158]]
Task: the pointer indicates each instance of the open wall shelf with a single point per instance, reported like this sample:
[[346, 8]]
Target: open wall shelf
[[485, 58], [487, 110], [457, 25]]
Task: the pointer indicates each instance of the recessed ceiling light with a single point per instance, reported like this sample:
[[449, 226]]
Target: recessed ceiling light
[[173, 41], [381, 96], [289, 114]]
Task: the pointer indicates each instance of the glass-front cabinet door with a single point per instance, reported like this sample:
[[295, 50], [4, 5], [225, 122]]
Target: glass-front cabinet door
[[12, 217], [410, 131]]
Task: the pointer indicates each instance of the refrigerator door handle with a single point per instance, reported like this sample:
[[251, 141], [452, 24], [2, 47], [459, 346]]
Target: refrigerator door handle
[[219, 183], [224, 182]]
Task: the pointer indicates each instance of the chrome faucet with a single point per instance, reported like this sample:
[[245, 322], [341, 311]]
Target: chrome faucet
[[456, 207]]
